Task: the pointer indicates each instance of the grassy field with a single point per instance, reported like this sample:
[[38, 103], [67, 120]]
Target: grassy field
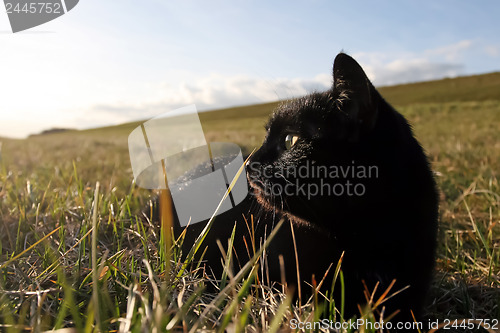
[[74, 254]]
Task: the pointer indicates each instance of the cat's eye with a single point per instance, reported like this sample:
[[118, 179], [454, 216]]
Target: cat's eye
[[290, 140]]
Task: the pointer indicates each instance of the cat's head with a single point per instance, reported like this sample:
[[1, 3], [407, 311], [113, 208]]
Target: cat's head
[[309, 134]]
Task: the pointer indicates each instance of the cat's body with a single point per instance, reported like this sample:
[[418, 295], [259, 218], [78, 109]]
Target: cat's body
[[387, 228]]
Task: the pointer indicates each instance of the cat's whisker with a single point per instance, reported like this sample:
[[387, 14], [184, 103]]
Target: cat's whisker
[[282, 201], [282, 176]]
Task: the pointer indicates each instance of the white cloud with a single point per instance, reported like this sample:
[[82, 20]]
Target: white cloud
[[451, 53], [214, 91], [412, 70], [492, 50], [394, 68], [217, 91]]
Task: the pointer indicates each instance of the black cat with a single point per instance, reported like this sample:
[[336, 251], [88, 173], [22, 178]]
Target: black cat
[[345, 169]]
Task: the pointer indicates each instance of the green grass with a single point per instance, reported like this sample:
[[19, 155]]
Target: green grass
[[75, 256], [475, 88]]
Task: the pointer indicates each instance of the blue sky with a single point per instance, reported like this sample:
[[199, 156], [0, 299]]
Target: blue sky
[[108, 62]]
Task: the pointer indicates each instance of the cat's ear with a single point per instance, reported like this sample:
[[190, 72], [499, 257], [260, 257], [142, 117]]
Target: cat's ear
[[352, 84]]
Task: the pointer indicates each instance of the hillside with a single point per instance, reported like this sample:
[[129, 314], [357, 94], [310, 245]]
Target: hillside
[[461, 89]]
